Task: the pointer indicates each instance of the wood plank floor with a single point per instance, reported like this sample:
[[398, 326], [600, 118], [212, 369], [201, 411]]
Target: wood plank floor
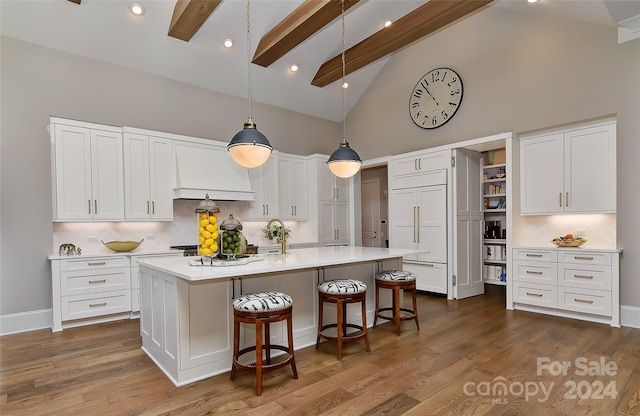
[[465, 356]]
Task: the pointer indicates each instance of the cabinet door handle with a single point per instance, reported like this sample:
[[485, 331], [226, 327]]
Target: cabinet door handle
[[95, 206], [533, 255], [153, 207], [582, 276], [96, 263], [419, 164], [147, 207], [418, 225], [92, 282], [415, 164], [582, 258], [583, 301], [414, 225], [89, 205], [533, 272], [534, 294], [566, 199], [96, 305], [560, 199]]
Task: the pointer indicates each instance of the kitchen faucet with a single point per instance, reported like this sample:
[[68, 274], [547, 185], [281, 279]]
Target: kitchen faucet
[[283, 239]]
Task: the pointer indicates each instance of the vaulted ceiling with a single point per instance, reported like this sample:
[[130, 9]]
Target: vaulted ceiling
[[183, 40]]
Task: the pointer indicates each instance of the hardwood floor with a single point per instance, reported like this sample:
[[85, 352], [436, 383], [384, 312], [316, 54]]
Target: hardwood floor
[[465, 352]]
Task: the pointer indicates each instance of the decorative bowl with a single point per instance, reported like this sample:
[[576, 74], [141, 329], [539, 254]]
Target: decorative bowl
[[122, 246], [573, 243]]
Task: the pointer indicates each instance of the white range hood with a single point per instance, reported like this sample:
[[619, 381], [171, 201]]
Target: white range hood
[[207, 169]]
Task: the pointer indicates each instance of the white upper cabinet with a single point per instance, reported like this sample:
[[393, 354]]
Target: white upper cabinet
[[331, 187], [147, 177], [293, 187], [264, 182], [570, 171], [87, 171]]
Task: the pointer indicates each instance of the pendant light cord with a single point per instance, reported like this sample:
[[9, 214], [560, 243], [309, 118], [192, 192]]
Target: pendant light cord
[[248, 60], [344, 117]]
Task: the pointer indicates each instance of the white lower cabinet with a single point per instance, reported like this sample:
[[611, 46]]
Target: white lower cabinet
[[135, 278], [574, 283], [90, 290], [430, 277]]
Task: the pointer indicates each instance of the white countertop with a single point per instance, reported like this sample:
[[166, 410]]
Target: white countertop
[[108, 253], [584, 247], [296, 259]]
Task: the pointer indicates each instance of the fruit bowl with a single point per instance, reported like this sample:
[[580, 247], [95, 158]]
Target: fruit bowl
[[568, 241], [122, 246]]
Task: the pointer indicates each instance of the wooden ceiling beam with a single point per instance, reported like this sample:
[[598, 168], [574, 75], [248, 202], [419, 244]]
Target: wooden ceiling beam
[[75, 1], [188, 17], [419, 23], [307, 19]]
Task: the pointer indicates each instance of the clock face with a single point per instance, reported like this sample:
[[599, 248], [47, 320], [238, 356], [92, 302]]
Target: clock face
[[435, 98]]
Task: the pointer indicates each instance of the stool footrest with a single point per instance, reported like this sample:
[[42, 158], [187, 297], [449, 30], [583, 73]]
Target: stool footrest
[[410, 314], [265, 366], [349, 337]]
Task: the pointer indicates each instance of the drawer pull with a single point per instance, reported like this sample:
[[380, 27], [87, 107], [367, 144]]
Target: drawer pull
[[91, 282], [583, 301], [582, 276], [533, 255], [534, 294], [97, 305], [582, 258], [97, 263], [533, 272]]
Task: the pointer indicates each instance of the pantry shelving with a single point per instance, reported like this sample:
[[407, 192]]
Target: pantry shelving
[[494, 192]]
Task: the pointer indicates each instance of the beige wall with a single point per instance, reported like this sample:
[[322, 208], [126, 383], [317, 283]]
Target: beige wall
[[38, 82], [521, 73]]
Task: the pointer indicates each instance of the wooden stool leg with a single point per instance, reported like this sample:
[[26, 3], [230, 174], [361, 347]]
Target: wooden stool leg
[[259, 358], [375, 314], [320, 309], [364, 323], [236, 347], [415, 308], [396, 308], [267, 342], [291, 353], [339, 327]]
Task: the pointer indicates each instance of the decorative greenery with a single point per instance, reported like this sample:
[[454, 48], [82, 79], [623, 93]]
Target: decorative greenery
[[274, 233]]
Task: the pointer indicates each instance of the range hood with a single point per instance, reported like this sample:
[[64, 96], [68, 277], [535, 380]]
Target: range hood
[[205, 169]]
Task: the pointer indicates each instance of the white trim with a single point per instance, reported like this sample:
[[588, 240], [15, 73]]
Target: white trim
[[630, 316], [25, 321]]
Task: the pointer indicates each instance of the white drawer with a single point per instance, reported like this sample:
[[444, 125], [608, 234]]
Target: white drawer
[[430, 277], [596, 302], [535, 294], [100, 280], [90, 305], [94, 263], [584, 257], [535, 272], [584, 276], [535, 255]]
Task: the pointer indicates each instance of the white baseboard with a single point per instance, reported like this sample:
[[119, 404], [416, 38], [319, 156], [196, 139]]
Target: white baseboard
[[630, 316], [25, 321]]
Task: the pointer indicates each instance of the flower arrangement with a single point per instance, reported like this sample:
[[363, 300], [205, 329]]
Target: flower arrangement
[[274, 233]]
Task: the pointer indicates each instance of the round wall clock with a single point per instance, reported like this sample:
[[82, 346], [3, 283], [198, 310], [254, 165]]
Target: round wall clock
[[435, 98]]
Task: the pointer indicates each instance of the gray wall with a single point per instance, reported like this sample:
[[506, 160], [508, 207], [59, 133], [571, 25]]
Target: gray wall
[[38, 82], [521, 72]]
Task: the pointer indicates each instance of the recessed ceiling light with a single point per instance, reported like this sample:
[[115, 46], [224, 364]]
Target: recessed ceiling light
[[387, 23], [136, 9], [293, 68], [228, 43], [345, 85], [532, 1]]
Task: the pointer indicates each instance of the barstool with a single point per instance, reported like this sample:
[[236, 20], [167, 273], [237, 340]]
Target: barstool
[[396, 280], [262, 309], [342, 292]]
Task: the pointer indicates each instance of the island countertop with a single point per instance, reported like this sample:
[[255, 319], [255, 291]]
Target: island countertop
[[296, 259]]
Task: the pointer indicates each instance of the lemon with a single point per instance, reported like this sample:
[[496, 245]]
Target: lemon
[[213, 220], [210, 227], [205, 251], [204, 223], [201, 240], [214, 235], [203, 215], [208, 241], [214, 246], [206, 234]]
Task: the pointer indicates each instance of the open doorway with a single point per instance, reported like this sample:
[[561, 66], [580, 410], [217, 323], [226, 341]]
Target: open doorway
[[374, 206]]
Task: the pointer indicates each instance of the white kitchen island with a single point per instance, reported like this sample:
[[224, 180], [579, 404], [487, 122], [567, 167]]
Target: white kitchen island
[[186, 316]]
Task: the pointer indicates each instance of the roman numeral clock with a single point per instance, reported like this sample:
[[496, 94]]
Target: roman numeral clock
[[435, 98]]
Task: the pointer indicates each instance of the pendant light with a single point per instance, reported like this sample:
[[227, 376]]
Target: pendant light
[[249, 147], [344, 162]]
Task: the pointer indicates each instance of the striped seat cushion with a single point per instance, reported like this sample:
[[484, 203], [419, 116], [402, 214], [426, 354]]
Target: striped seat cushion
[[342, 286], [262, 302], [396, 275]]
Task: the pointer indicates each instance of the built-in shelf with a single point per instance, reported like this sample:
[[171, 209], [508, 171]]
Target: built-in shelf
[[495, 241], [494, 195], [495, 282]]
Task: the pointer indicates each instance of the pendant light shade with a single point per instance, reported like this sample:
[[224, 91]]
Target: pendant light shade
[[249, 148], [344, 162]]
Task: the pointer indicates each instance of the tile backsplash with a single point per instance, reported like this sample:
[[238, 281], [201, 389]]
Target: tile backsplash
[[539, 230]]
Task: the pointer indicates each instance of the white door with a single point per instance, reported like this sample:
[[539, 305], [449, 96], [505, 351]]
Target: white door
[[468, 227], [403, 232], [160, 184], [432, 223], [371, 213], [107, 177], [541, 175]]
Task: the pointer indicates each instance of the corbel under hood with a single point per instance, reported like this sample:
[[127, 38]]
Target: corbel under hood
[[202, 170]]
